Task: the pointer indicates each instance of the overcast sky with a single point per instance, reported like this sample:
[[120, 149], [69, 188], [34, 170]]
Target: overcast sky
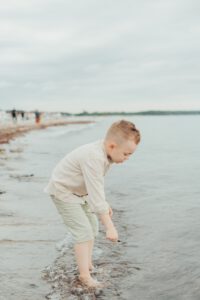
[[106, 55]]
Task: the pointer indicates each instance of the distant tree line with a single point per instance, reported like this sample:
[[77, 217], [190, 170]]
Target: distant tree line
[[142, 113]]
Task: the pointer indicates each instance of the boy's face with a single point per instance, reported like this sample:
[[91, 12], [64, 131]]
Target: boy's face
[[119, 153]]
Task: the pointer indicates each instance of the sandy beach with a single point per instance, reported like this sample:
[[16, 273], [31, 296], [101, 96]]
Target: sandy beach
[[11, 131]]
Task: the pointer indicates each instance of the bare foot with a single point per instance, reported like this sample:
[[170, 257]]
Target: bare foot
[[90, 282]]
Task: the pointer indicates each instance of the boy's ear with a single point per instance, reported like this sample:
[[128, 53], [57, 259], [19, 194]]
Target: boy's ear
[[112, 145]]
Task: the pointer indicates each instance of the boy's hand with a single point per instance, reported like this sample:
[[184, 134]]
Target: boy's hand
[[110, 212], [112, 234]]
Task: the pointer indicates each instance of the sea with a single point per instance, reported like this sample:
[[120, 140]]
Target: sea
[[157, 190]]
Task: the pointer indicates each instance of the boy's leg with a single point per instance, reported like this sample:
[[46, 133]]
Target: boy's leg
[[82, 258], [91, 245], [95, 228], [79, 225]]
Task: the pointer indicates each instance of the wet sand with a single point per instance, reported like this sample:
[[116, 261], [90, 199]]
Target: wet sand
[[8, 132], [25, 237], [111, 268]]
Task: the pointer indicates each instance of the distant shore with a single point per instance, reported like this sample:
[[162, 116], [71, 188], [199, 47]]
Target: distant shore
[[9, 132], [139, 113]]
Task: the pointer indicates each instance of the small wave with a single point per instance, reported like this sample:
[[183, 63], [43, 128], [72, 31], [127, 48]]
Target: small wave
[[63, 245], [70, 129]]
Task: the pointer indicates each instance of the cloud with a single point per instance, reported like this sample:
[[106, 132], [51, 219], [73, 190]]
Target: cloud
[[69, 55]]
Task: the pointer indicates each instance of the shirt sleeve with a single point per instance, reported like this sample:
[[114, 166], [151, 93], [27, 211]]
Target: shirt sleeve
[[93, 173]]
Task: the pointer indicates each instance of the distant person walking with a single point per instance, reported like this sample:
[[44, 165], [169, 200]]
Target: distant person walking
[[37, 117], [14, 115], [22, 114]]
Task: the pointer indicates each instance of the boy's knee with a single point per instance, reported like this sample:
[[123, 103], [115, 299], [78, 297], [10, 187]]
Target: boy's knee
[[85, 234]]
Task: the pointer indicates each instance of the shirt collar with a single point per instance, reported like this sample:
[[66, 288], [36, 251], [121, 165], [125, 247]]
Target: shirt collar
[[108, 161]]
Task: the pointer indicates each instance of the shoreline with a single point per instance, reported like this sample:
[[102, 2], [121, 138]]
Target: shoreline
[[10, 132]]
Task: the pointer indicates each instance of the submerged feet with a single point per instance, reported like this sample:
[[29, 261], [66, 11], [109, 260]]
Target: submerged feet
[[90, 282]]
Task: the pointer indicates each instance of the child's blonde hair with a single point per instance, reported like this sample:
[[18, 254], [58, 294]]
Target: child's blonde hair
[[123, 130]]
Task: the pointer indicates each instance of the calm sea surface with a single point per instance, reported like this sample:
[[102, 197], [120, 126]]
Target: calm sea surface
[[158, 192]]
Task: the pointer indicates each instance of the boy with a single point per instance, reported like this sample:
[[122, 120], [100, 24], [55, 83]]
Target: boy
[[77, 189]]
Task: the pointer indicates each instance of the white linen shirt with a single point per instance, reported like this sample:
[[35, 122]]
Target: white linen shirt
[[81, 173]]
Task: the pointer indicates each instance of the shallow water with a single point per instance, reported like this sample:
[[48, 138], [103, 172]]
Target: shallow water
[[155, 195]]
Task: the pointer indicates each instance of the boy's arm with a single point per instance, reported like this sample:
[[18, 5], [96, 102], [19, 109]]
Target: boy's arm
[[111, 232], [94, 180], [92, 170]]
